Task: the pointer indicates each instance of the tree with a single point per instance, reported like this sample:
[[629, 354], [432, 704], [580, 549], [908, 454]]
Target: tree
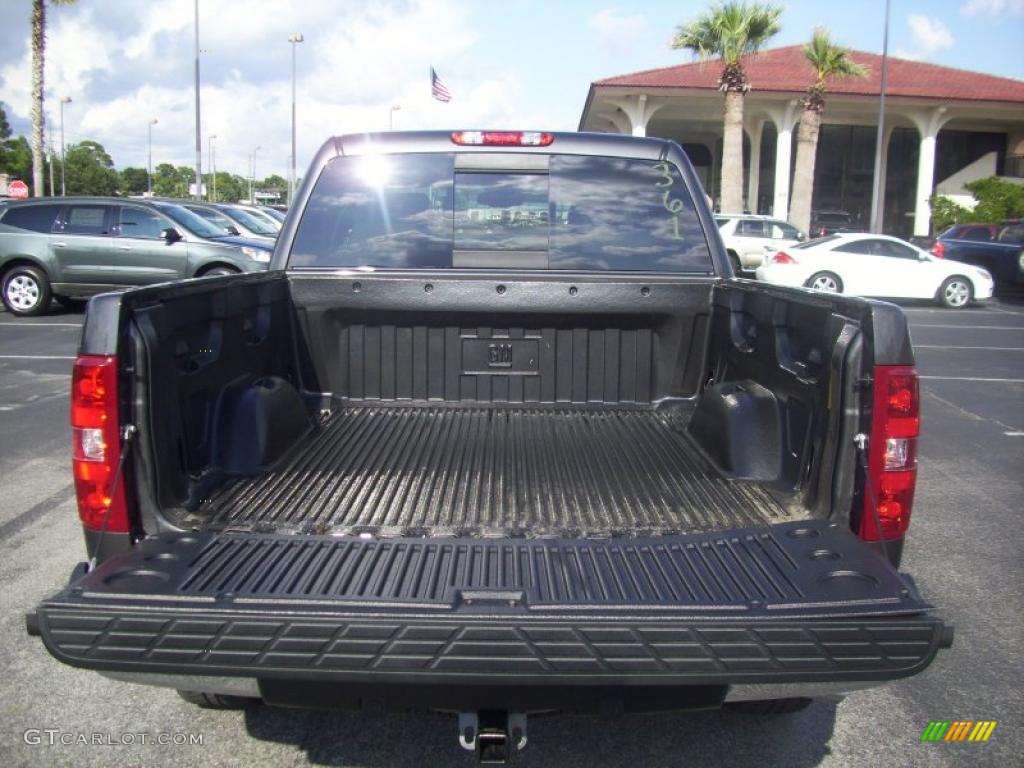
[[731, 31], [133, 181], [38, 55], [15, 153], [169, 181], [89, 170], [828, 61], [998, 200]]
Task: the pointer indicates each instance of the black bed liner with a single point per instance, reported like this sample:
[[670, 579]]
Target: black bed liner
[[493, 471], [798, 601]]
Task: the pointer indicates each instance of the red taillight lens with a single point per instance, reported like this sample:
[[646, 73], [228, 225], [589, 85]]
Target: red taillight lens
[[96, 443], [503, 138], [938, 250], [781, 257], [892, 453]]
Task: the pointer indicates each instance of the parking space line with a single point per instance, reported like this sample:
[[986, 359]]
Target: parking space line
[[948, 346], [971, 327], [37, 357], [42, 325], [970, 378]]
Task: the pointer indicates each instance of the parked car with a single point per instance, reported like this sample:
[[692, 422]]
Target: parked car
[[73, 247], [404, 470], [831, 222], [267, 215], [748, 239], [230, 218], [876, 265], [998, 248], [273, 213]]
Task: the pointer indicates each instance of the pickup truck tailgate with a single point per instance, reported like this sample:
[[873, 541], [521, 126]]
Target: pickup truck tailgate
[[793, 602]]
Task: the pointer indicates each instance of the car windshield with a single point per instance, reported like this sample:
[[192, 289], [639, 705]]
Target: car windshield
[[251, 222], [194, 224], [274, 214], [218, 219], [263, 216], [833, 218]]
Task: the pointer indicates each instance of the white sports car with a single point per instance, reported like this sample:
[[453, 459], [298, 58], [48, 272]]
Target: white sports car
[[862, 264]]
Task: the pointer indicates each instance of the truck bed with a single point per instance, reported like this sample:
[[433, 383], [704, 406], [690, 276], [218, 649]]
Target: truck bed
[[516, 471]]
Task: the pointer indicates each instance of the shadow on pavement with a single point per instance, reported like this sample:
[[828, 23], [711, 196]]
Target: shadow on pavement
[[703, 738]]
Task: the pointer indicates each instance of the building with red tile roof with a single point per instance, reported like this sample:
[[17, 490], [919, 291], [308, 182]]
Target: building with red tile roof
[[941, 123]]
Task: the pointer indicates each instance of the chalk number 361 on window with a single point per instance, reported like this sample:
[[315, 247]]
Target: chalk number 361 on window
[[672, 204]]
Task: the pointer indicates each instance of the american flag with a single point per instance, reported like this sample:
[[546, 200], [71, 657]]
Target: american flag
[[438, 89]]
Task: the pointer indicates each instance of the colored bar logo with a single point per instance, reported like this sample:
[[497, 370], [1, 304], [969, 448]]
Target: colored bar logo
[[958, 730]]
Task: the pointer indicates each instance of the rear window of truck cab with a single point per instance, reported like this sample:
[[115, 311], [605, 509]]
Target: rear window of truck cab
[[557, 212]]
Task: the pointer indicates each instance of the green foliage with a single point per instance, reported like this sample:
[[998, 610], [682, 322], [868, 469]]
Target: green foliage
[[828, 60], [169, 181], [230, 187], [730, 30], [997, 198], [89, 170], [5, 127], [15, 153], [133, 181]]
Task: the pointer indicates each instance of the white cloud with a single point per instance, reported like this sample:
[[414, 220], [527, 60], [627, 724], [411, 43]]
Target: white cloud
[[616, 32], [998, 7], [130, 62], [929, 36]]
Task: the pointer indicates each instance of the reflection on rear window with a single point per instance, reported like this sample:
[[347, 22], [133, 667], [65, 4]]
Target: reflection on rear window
[[567, 212]]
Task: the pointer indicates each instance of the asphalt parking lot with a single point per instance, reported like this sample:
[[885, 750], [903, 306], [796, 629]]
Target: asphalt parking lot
[[965, 551]]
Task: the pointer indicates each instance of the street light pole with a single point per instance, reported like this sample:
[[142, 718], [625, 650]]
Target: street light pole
[[252, 175], [199, 135], [149, 158], [213, 167], [391, 116], [877, 215], [293, 39], [63, 186]]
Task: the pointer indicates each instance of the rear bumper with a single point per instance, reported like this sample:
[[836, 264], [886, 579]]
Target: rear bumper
[[285, 642], [794, 603]]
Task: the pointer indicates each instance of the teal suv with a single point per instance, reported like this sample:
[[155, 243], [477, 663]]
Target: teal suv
[[73, 247]]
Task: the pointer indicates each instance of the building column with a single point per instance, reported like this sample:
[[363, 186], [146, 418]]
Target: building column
[[641, 117], [784, 120], [754, 132], [928, 125], [638, 110]]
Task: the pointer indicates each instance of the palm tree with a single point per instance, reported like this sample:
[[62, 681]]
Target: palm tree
[[828, 60], [38, 55], [731, 31]]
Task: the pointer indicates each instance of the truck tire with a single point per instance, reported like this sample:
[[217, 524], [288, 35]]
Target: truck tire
[[769, 706], [826, 282], [217, 700], [26, 290], [956, 292]]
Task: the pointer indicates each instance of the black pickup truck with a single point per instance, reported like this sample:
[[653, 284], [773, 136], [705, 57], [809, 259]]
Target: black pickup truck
[[498, 433]]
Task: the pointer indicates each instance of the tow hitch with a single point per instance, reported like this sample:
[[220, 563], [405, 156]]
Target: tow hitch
[[493, 734]]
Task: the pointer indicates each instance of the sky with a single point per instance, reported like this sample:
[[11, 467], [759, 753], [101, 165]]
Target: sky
[[522, 64]]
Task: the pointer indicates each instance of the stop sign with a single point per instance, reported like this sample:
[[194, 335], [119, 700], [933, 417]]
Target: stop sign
[[17, 189]]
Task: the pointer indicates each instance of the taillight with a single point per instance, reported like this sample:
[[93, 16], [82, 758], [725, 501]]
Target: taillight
[[96, 444], [892, 453], [938, 250], [503, 138], [781, 257]]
